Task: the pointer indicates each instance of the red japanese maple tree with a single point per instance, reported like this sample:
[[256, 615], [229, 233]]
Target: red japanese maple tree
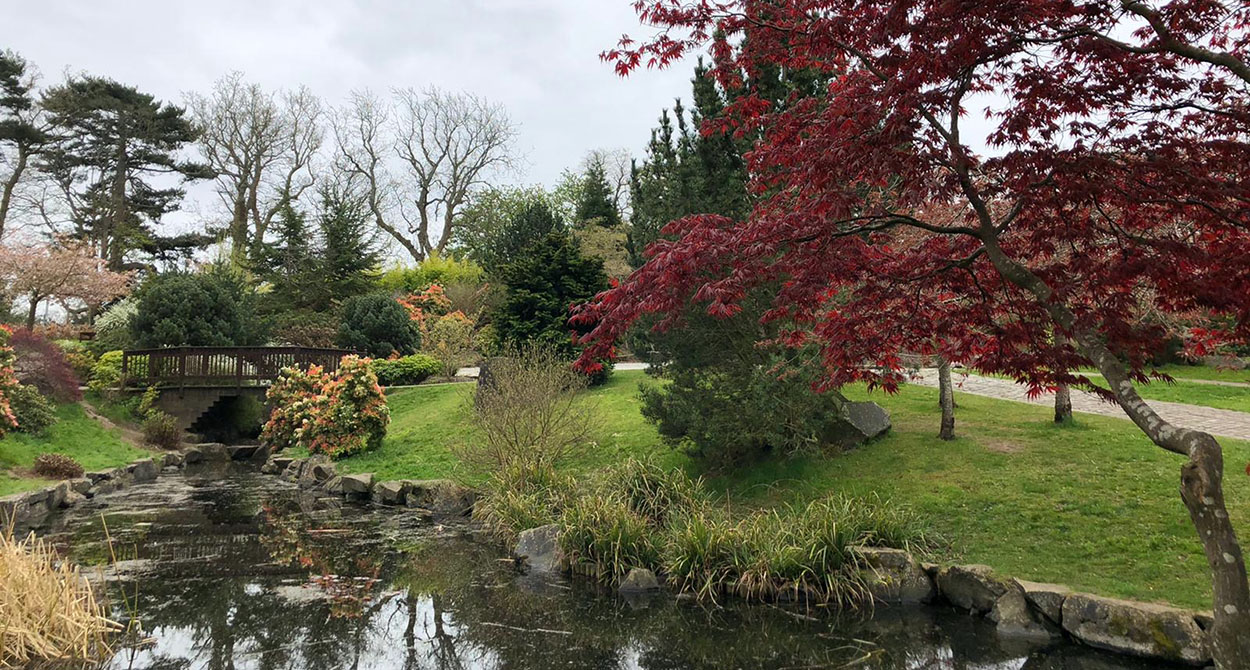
[[1093, 153]]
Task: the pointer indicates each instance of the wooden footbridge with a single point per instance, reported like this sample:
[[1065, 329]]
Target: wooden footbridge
[[194, 379]]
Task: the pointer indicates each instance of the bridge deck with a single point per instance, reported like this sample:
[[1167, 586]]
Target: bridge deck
[[220, 367]]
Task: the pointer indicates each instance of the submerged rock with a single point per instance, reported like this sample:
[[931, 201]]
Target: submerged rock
[[639, 580], [1015, 618], [539, 549], [1140, 629]]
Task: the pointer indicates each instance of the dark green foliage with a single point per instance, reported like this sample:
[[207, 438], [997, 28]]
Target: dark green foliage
[[729, 400], [529, 226], [687, 172], [595, 205], [540, 286], [57, 466], [376, 325], [110, 142], [21, 138], [487, 234], [209, 309], [313, 268], [305, 328], [161, 430], [405, 371], [34, 412]]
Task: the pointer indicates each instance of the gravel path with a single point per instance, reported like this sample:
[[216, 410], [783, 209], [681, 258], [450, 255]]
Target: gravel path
[[1223, 422]]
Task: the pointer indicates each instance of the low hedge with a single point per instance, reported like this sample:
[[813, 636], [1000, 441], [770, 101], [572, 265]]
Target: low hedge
[[406, 371]]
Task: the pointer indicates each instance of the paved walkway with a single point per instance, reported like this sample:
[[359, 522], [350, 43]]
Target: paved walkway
[[1226, 423]]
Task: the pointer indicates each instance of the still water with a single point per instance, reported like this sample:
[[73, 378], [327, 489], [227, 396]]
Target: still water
[[227, 569]]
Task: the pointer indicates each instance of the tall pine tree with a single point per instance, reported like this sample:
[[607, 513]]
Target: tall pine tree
[[111, 146], [595, 205], [21, 134]]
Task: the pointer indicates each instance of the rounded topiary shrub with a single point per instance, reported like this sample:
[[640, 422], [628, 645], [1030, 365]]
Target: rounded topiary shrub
[[406, 371], [34, 412], [57, 466], [207, 309], [376, 325]]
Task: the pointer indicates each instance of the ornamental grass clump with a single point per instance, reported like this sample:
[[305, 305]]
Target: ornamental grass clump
[[654, 492], [602, 534], [518, 498], [50, 612], [798, 553]]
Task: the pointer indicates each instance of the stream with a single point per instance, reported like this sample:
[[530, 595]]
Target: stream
[[230, 569]]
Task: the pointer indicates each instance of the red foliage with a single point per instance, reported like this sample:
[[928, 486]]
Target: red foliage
[[42, 364], [1100, 191], [1116, 175]]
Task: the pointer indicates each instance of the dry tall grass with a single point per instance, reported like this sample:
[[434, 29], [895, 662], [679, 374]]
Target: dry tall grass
[[49, 611]]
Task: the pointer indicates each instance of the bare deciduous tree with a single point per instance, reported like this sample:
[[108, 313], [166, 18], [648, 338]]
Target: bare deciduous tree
[[421, 158], [262, 146]]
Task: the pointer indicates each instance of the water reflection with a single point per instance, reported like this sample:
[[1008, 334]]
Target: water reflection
[[239, 571]]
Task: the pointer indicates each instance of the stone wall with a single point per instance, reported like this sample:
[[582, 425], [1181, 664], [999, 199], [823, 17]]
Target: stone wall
[[436, 497], [29, 510]]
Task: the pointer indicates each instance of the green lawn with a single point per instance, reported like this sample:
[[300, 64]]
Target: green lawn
[[429, 423], [1092, 505], [74, 434]]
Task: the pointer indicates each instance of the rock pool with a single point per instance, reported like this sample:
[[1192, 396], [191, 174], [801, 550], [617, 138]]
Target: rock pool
[[229, 569]]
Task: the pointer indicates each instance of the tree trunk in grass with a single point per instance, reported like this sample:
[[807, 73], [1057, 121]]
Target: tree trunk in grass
[[946, 398], [1202, 474], [1063, 404]]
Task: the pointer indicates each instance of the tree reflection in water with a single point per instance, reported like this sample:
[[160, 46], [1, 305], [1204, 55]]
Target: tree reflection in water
[[278, 581]]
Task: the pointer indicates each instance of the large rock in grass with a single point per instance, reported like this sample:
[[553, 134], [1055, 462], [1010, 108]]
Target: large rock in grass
[[971, 587], [1140, 629], [894, 576], [861, 422], [539, 549]]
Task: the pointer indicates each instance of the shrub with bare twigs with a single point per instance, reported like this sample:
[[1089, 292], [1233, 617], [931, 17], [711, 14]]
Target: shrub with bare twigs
[[529, 413]]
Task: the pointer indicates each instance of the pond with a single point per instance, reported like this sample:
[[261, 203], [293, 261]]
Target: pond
[[226, 568]]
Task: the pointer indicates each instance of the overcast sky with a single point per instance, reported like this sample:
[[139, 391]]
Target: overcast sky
[[539, 58]]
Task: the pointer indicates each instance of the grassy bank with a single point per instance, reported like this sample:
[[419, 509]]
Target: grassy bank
[[75, 434], [1092, 505]]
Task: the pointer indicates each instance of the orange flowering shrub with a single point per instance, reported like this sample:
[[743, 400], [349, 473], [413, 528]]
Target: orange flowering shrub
[[8, 381], [333, 414], [425, 306]]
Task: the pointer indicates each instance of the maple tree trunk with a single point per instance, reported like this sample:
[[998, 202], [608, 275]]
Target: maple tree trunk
[[946, 398], [32, 312], [1063, 404], [1202, 475]]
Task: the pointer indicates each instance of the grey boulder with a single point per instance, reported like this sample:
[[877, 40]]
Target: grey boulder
[[539, 548], [1139, 629]]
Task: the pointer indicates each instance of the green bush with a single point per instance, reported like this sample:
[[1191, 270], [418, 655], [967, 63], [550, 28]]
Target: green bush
[[376, 325], [112, 327], [406, 371], [436, 269], [161, 430], [57, 466], [106, 374], [34, 412], [79, 356], [305, 328], [654, 492], [214, 308]]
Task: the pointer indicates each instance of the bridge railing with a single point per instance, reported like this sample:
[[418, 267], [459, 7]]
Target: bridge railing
[[220, 366]]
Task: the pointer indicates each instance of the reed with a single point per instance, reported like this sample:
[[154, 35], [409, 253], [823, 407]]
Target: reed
[[50, 611]]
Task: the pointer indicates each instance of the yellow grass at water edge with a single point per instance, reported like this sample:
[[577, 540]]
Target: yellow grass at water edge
[[50, 610]]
